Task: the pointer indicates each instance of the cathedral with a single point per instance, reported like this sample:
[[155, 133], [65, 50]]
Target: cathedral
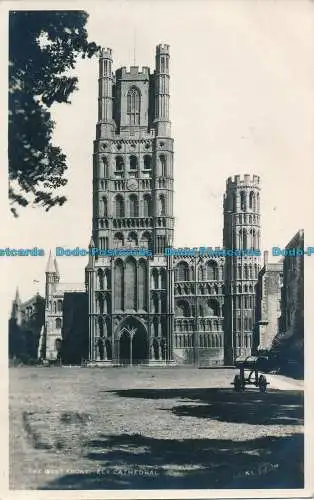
[[151, 308]]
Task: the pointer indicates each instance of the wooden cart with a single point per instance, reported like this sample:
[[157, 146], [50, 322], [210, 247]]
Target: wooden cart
[[254, 364]]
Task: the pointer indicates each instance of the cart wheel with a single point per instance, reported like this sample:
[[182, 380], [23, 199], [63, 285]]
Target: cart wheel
[[262, 383], [238, 386]]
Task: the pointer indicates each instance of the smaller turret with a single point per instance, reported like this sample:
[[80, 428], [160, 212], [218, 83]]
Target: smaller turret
[[16, 308], [52, 276]]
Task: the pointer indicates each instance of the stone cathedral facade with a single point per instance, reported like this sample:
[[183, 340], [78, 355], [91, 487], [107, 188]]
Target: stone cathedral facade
[[153, 308]]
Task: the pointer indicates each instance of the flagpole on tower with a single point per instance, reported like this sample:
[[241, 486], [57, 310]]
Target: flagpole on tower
[[134, 47]]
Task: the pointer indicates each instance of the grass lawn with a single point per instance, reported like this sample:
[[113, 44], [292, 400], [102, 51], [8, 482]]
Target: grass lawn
[[140, 428]]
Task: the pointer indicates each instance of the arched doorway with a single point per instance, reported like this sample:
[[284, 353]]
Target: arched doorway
[[133, 342]]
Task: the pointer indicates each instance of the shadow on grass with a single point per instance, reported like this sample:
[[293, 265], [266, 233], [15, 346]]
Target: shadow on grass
[[139, 462], [252, 407]]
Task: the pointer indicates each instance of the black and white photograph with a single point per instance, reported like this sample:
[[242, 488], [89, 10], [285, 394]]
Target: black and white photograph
[[159, 191]]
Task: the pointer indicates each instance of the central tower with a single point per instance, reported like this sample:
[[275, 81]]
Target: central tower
[[131, 296]]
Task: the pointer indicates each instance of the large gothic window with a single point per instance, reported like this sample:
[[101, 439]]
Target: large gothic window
[[59, 305], [147, 205], [130, 284], [119, 285], [133, 203], [133, 106], [119, 206]]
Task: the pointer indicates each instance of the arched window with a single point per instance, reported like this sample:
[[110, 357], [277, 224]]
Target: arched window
[[146, 240], [182, 272], [163, 277], [252, 200], [104, 207], [147, 162], [182, 309], [246, 272], [132, 240], [239, 271], [163, 166], [133, 162], [212, 272], [258, 203], [155, 279], [244, 239], [242, 201], [119, 285], [105, 170], [147, 205], [162, 205], [54, 307], [100, 276], [58, 323], [234, 202], [119, 164], [119, 206], [142, 285], [133, 204], [101, 304], [59, 305], [201, 273], [213, 308], [133, 106], [118, 240]]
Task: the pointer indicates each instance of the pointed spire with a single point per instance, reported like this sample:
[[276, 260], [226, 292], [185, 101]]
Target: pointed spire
[[91, 243], [50, 264], [17, 296], [56, 267]]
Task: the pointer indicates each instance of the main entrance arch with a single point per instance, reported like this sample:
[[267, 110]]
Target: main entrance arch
[[132, 342]]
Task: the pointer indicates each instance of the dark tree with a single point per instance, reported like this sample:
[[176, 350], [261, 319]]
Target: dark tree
[[43, 47]]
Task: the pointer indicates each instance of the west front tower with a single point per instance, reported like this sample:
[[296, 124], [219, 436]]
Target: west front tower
[[242, 234], [131, 294]]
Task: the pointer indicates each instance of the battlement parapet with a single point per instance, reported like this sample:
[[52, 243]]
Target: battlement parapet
[[133, 73], [162, 48], [242, 181], [106, 53]]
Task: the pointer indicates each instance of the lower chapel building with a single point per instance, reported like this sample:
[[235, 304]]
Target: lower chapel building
[[158, 308]]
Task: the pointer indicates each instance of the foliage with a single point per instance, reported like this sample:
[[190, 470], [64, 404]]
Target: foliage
[[43, 48]]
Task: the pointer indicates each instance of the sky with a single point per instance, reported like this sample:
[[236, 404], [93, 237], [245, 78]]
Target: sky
[[241, 102]]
